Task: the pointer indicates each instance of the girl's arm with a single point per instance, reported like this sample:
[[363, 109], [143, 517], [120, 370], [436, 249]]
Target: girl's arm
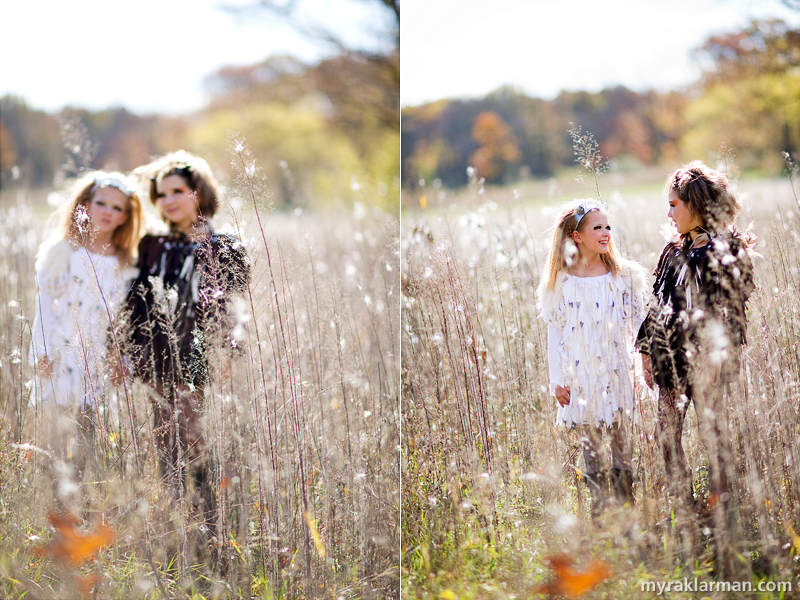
[[555, 336], [647, 367], [42, 340]]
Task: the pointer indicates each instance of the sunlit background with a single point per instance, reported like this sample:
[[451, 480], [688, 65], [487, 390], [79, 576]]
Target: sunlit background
[[455, 49], [312, 86], [154, 57], [655, 83]]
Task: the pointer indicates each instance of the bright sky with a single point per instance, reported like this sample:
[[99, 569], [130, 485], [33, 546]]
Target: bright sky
[[468, 48], [147, 55]]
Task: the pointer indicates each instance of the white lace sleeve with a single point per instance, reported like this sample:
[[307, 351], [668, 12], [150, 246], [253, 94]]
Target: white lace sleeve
[[43, 324], [551, 304], [555, 335]]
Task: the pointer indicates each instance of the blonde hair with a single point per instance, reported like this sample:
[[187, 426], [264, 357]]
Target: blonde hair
[[125, 237], [566, 224], [705, 192], [193, 170]]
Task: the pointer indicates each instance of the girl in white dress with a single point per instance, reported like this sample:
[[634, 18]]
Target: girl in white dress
[[80, 282], [593, 303]]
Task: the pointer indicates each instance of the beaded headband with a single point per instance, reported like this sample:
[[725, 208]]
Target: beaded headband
[[114, 182], [586, 207]]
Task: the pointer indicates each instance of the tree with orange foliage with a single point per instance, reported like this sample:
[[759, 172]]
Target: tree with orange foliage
[[498, 146]]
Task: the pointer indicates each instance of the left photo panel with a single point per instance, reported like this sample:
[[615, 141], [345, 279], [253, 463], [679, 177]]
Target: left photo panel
[[200, 300]]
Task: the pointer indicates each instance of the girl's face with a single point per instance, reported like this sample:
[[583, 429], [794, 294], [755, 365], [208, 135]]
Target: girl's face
[[107, 210], [595, 235], [684, 219], [177, 202]]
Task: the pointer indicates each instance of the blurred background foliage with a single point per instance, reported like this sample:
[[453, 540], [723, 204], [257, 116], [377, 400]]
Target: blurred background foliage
[[321, 133], [748, 98]]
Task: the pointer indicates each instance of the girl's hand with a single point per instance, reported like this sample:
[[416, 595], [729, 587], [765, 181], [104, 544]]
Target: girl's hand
[[45, 367], [562, 395], [647, 366]]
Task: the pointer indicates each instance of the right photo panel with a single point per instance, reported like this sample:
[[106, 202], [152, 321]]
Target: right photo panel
[[600, 325]]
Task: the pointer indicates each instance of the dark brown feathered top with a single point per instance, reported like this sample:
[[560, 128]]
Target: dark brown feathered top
[[176, 304], [697, 312]]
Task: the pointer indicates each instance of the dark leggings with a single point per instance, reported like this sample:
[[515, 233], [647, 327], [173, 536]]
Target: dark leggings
[[713, 429]]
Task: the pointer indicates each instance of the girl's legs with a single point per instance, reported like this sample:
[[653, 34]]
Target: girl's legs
[[203, 500], [713, 426], [168, 440], [672, 407], [85, 456], [57, 435], [621, 471], [594, 475], [58, 431], [181, 445]]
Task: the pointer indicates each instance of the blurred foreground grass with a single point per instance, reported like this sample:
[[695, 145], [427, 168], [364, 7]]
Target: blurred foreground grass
[[304, 438]]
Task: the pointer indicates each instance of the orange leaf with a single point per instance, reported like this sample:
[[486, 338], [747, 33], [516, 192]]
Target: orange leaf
[[86, 584], [69, 544], [570, 582]]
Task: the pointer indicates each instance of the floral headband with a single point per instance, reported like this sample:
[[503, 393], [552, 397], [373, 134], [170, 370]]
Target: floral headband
[[114, 182], [586, 207]]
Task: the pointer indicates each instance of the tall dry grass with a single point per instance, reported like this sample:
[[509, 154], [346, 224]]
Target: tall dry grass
[[490, 486], [303, 438]]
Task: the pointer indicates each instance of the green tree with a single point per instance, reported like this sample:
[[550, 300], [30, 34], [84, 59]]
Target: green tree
[[345, 114], [749, 96], [304, 161]]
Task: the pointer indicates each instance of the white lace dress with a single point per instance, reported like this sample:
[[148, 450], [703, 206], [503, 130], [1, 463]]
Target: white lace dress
[[591, 325], [72, 322]]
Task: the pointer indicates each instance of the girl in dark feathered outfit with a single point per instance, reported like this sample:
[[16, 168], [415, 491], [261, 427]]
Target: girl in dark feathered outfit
[[177, 309], [692, 337]]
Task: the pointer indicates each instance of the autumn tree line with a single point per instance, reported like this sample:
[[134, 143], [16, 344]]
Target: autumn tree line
[[748, 99], [321, 133], [328, 132]]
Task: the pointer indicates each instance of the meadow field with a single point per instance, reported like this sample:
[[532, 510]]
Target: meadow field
[[304, 437], [492, 506]]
